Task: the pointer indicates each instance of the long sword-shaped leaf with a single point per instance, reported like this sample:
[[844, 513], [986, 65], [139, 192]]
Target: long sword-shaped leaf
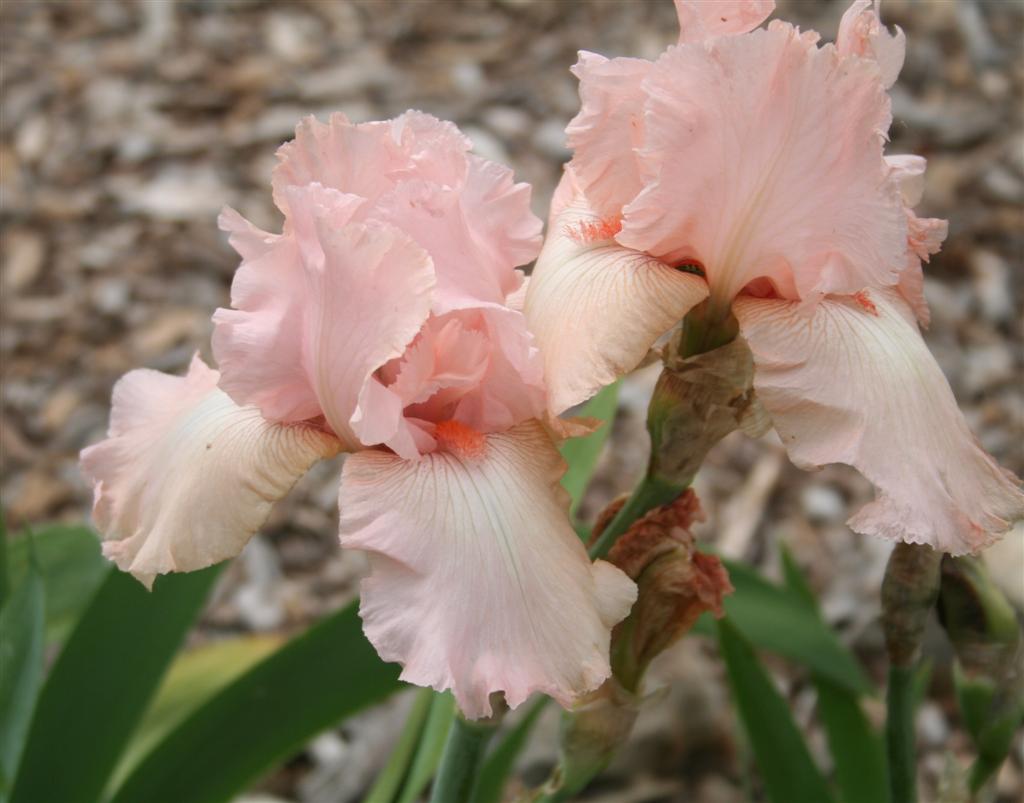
[[265, 716], [22, 620], [789, 773], [583, 453], [193, 679], [857, 749], [428, 754], [102, 682], [389, 781], [71, 566], [4, 560]]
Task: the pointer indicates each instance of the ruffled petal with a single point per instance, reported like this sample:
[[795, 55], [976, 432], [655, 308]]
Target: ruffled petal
[[478, 367], [924, 235], [596, 307], [608, 129], [186, 476], [861, 33], [358, 159], [416, 173], [764, 158], [907, 170], [499, 211], [564, 195], [700, 19], [478, 584], [365, 305], [318, 311], [476, 234], [259, 343], [856, 384]]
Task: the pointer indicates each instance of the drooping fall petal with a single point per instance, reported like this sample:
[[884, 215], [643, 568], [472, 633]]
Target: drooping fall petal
[[700, 19], [861, 33], [855, 384], [186, 476], [758, 169], [478, 583], [596, 307]]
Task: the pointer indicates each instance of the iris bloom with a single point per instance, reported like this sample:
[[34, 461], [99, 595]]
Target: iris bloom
[[381, 322], [745, 168]]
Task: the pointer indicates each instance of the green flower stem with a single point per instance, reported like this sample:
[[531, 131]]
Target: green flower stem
[[461, 760], [899, 734], [394, 772], [649, 494]]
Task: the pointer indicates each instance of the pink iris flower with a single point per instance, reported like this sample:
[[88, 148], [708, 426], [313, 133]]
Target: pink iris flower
[[382, 323], [745, 167]]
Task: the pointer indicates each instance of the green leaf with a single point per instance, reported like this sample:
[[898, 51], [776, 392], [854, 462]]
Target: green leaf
[[102, 682], [857, 749], [265, 716], [502, 758], [583, 453], [194, 677], [5, 577], [72, 568], [21, 669], [390, 778], [782, 757], [778, 620], [428, 755], [796, 581], [991, 716]]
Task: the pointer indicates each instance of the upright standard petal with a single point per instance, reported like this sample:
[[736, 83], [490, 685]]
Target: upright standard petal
[[476, 235], [359, 159], [856, 384], [607, 130], [415, 172], [366, 303], [186, 476], [700, 19], [258, 343], [478, 584], [861, 33], [319, 311], [596, 307], [757, 170], [924, 235]]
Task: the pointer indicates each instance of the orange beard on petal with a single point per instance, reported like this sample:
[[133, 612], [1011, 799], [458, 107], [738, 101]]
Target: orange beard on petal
[[460, 440], [593, 231], [864, 300]]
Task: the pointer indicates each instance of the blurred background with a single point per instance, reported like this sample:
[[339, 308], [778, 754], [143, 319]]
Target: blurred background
[[126, 126]]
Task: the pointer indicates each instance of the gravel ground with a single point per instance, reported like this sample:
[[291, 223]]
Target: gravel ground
[[126, 126]]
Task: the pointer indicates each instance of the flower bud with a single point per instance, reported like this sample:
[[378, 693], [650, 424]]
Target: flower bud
[[978, 618], [983, 629], [590, 734], [675, 585], [909, 590]]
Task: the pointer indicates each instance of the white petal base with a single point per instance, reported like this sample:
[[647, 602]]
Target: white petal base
[[187, 476]]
